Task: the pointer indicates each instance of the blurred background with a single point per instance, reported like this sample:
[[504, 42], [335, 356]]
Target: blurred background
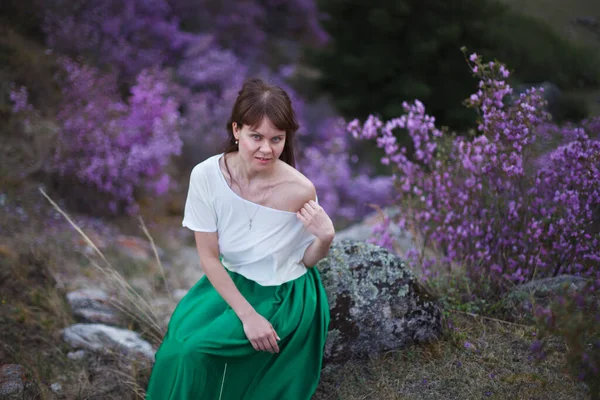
[[106, 106], [111, 103]]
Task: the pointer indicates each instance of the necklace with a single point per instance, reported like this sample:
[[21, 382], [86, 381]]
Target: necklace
[[242, 195]]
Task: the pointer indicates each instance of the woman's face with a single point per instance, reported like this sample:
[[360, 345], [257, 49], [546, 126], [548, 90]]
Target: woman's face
[[261, 146]]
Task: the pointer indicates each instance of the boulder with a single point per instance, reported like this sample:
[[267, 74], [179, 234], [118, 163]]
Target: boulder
[[520, 301], [376, 303]]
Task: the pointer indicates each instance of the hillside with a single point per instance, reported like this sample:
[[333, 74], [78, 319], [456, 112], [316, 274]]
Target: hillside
[[577, 20], [574, 18]]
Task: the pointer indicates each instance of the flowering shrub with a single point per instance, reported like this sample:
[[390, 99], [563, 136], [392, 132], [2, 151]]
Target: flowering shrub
[[212, 47], [473, 201], [252, 29], [129, 35], [112, 145], [488, 205], [342, 192]]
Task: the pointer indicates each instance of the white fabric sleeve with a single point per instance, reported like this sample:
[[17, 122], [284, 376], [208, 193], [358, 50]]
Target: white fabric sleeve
[[199, 213]]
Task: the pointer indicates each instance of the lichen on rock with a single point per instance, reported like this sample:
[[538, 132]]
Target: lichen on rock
[[376, 302]]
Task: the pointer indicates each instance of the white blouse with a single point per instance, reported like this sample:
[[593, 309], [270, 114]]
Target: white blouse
[[270, 253]]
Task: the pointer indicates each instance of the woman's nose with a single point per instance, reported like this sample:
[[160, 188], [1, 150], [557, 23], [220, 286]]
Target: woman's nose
[[264, 147]]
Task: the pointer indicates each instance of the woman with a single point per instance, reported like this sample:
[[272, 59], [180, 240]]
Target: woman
[[254, 327]]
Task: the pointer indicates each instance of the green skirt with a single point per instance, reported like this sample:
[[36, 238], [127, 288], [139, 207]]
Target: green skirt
[[206, 355]]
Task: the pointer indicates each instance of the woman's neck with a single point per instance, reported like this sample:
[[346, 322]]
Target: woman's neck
[[244, 174]]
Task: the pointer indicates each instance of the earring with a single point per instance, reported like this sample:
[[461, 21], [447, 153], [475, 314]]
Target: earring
[[236, 142]]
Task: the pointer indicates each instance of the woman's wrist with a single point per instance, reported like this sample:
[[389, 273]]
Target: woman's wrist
[[245, 312], [327, 240]]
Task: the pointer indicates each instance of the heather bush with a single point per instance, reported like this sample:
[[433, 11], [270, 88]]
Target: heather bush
[[108, 141], [515, 201], [345, 191], [127, 35], [112, 145], [472, 200], [264, 32]]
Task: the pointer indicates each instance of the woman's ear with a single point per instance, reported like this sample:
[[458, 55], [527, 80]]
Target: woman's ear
[[236, 131]]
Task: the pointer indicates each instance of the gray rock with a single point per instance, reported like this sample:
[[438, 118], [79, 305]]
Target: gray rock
[[376, 303], [12, 380], [93, 305], [522, 299], [591, 22], [100, 338], [56, 387], [178, 294], [76, 355]]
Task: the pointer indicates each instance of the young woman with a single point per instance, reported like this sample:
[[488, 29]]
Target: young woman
[[254, 327]]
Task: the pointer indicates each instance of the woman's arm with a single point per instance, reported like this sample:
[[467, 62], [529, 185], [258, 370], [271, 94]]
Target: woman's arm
[[208, 250], [258, 330], [316, 251]]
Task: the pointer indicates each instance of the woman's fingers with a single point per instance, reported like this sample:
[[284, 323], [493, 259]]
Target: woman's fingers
[[266, 346], [260, 345], [310, 208], [273, 343], [275, 333], [307, 214], [301, 217]]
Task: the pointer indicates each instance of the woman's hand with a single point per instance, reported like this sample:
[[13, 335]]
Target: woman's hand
[[260, 333], [316, 221]]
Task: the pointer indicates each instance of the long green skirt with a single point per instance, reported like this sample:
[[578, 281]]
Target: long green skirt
[[206, 355]]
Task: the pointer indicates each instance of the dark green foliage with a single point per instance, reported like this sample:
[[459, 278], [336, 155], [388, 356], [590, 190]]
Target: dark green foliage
[[384, 52]]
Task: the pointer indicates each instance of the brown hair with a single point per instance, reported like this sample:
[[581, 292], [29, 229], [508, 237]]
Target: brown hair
[[257, 100]]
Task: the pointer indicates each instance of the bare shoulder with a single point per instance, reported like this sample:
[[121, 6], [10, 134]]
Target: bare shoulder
[[296, 188]]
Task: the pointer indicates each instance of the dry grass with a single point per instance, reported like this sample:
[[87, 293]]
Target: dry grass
[[33, 310], [498, 366], [136, 307]]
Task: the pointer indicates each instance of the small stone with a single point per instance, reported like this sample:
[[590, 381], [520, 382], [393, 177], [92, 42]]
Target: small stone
[[178, 294], [93, 305], [56, 387], [76, 355]]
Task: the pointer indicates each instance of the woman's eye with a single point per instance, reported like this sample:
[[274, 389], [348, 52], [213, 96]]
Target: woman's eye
[[256, 137], [276, 139]]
